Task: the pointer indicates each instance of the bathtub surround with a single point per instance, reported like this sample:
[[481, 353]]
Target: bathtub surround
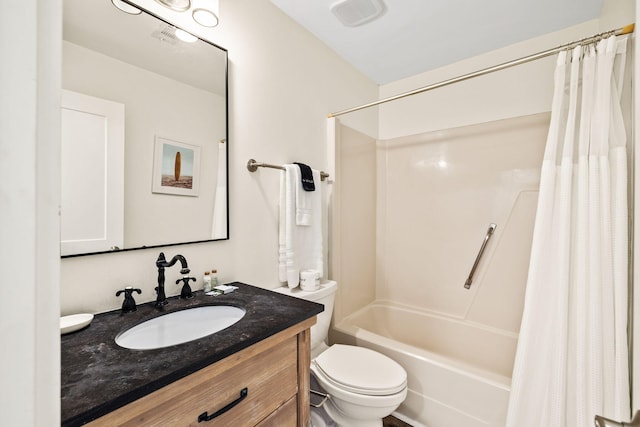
[[513, 94], [572, 359], [435, 194], [449, 185]]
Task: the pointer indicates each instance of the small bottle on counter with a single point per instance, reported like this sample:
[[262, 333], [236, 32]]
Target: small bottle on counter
[[214, 278], [207, 282]]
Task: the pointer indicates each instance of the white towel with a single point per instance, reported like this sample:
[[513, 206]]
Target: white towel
[[304, 200], [282, 234], [300, 246]]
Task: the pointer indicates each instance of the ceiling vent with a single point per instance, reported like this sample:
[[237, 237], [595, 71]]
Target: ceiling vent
[[353, 13]]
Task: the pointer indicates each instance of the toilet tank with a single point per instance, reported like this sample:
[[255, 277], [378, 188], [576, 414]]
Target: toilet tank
[[325, 295]]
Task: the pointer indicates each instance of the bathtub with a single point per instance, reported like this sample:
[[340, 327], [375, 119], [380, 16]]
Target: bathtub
[[459, 374]]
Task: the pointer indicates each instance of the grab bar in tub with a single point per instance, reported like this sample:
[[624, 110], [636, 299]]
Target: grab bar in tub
[[492, 228]]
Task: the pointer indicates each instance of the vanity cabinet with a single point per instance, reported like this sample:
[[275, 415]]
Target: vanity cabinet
[[274, 371]]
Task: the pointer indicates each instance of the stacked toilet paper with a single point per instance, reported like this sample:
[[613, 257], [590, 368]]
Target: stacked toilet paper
[[309, 280]]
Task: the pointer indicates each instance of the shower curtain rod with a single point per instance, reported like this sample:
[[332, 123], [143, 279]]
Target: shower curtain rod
[[627, 29]]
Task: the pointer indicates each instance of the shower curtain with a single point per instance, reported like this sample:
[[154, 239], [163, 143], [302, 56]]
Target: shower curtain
[[572, 356]]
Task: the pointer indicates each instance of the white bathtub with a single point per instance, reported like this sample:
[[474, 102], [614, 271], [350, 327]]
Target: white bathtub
[[459, 374]]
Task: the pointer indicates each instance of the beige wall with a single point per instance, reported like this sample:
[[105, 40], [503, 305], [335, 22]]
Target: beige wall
[[283, 82]]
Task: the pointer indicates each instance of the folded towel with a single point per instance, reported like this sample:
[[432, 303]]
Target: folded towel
[[300, 246], [306, 175]]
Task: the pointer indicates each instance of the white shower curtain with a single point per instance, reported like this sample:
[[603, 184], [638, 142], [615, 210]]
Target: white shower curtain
[[572, 356]]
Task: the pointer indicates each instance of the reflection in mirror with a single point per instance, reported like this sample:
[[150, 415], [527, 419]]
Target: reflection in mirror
[[144, 133]]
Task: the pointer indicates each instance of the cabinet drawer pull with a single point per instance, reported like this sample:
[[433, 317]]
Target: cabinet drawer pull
[[205, 417]]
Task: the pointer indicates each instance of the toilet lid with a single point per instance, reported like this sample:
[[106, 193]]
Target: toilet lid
[[361, 370]]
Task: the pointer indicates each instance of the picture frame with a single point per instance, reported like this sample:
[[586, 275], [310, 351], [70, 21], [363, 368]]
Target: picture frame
[[176, 168]]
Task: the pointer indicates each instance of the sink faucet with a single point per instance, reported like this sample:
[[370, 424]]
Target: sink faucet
[[161, 263]]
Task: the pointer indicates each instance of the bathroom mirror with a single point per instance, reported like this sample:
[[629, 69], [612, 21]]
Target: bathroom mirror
[[144, 133]]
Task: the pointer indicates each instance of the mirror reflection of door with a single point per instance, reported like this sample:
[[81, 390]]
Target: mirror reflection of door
[[92, 174], [170, 89]]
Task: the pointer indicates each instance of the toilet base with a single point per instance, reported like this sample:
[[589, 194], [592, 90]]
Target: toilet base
[[343, 421], [328, 415]]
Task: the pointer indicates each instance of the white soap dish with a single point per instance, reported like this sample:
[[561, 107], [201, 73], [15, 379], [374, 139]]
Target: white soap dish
[[74, 322]]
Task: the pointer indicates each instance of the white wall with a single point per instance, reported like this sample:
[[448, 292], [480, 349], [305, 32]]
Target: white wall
[[283, 83], [29, 196]]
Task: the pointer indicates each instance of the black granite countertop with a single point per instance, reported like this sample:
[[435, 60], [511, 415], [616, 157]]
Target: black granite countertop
[[98, 376]]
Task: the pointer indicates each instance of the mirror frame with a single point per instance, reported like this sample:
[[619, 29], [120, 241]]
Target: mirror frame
[[226, 121]]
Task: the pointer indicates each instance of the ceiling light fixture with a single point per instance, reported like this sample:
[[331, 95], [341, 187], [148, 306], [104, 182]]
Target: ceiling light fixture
[[126, 7], [206, 17], [204, 12], [177, 5]]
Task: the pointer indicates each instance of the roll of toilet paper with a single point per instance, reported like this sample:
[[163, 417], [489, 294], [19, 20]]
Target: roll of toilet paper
[[309, 280]]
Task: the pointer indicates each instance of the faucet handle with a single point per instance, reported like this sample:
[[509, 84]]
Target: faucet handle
[[186, 291], [129, 304]]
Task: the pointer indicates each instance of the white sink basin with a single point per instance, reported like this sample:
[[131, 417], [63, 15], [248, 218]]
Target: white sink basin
[[179, 327]]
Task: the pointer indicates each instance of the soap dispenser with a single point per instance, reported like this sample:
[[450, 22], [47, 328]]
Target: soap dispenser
[[207, 282], [214, 278]]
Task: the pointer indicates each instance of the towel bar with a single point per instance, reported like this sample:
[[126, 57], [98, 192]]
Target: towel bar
[[253, 166]]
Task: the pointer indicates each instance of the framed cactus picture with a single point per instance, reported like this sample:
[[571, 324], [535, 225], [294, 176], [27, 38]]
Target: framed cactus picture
[[176, 167]]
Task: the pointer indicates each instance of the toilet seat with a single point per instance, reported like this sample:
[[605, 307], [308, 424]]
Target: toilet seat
[[361, 370]]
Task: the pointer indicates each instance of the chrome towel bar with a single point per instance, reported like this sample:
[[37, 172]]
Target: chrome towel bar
[[492, 228], [253, 166]]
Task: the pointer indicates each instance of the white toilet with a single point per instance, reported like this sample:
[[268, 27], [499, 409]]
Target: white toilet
[[364, 386]]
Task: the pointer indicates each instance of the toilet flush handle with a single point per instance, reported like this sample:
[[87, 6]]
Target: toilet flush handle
[[324, 396]]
